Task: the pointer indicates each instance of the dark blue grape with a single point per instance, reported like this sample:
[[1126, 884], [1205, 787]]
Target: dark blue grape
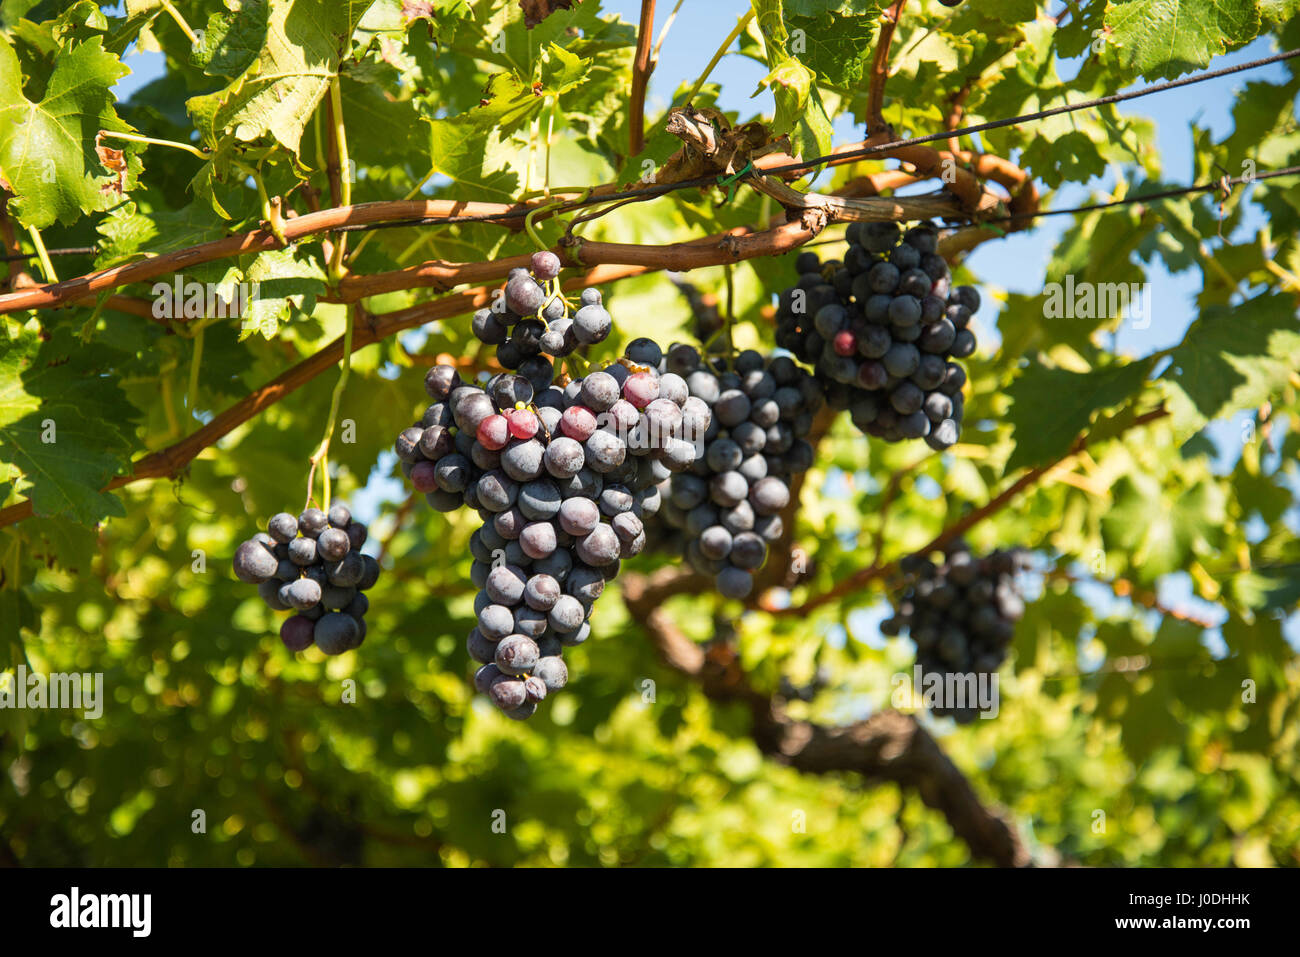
[[254, 563], [336, 633], [297, 633]]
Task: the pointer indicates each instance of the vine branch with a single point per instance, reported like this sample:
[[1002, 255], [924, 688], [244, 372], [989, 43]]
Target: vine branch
[[1124, 588], [865, 576], [880, 69], [169, 462], [642, 67], [326, 220], [888, 746]]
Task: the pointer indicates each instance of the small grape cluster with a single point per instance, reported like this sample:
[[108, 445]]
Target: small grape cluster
[[881, 328], [312, 565], [959, 612], [530, 320], [563, 479], [725, 510]]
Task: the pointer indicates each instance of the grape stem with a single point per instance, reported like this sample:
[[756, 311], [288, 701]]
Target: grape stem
[[150, 140], [553, 292], [731, 314], [47, 267], [195, 362], [321, 455], [337, 267], [180, 21], [550, 134], [270, 208], [581, 364], [168, 402], [531, 229]]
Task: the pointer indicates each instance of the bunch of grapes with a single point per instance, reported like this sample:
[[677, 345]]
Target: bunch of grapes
[[531, 320], [959, 612], [881, 328], [726, 508], [312, 565], [563, 479]]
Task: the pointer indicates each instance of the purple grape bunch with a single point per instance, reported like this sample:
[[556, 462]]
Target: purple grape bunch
[[882, 328], [313, 566], [529, 320], [564, 479], [725, 511], [960, 611]]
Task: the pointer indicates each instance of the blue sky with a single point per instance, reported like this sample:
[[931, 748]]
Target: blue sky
[[1017, 263]]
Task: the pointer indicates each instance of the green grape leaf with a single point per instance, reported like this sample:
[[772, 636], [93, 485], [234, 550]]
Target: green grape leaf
[[1158, 531], [1279, 12], [1148, 722], [1161, 39], [61, 540], [1276, 588], [1262, 644], [465, 147], [232, 39], [47, 148], [127, 232], [799, 109], [837, 48], [1050, 407], [1073, 157], [278, 93], [62, 424], [383, 130], [562, 70], [1234, 357], [16, 613], [281, 281], [840, 8]]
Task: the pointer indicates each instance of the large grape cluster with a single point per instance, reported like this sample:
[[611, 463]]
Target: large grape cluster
[[530, 320], [312, 565], [563, 479], [960, 612], [881, 328], [726, 508]]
